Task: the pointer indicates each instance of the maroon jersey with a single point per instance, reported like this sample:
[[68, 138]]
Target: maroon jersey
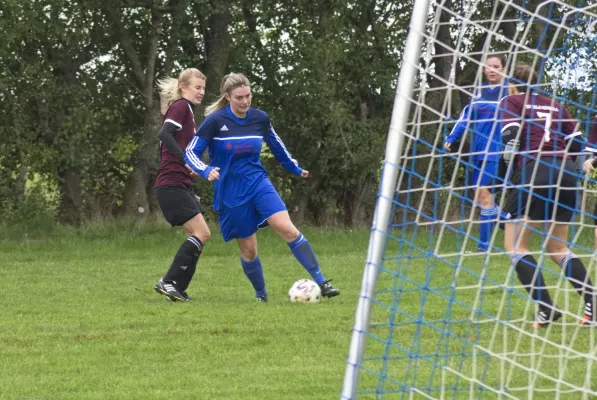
[[172, 171], [545, 125], [592, 142]]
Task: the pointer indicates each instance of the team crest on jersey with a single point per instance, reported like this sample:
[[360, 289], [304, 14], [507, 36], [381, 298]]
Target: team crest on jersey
[[228, 146]]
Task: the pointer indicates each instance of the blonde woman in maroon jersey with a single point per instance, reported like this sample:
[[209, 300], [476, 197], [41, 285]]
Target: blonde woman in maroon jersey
[[173, 186]]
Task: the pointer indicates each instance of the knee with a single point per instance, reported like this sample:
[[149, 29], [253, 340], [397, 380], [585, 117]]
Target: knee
[[484, 198], [291, 235], [288, 232], [202, 234], [205, 234], [248, 254], [515, 249], [557, 250]]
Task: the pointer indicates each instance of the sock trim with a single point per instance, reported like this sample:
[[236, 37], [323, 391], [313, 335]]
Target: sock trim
[[489, 211], [565, 260], [196, 242], [253, 261], [298, 241], [515, 258]]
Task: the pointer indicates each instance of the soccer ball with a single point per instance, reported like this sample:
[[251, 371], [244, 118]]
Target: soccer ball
[[304, 291]]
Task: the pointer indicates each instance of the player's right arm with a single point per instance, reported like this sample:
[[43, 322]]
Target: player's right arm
[[197, 146], [458, 129], [591, 148]]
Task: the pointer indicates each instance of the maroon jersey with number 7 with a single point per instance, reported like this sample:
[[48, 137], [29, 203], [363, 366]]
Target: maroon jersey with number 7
[[545, 125]]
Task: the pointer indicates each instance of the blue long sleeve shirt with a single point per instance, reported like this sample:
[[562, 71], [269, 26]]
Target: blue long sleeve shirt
[[480, 117], [234, 145]]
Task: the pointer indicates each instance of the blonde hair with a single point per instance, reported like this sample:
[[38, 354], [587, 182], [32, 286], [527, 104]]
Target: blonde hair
[[229, 83], [525, 77], [170, 87]]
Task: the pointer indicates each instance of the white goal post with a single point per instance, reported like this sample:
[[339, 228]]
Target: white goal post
[[435, 319]]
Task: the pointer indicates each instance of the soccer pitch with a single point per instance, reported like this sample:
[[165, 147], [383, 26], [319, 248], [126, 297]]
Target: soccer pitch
[[80, 319]]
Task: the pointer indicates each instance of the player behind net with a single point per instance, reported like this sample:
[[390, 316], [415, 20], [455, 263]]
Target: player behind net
[[590, 164], [479, 116], [544, 188]]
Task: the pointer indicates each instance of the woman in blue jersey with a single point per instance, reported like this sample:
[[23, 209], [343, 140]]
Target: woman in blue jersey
[[244, 197], [479, 116]]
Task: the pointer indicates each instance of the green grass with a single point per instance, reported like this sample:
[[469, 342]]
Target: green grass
[[80, 320], [421, 323]]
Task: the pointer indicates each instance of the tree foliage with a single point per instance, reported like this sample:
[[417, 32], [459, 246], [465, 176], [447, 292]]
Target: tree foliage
[[80, 110]]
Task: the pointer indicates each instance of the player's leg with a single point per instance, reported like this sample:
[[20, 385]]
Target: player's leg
[[180, 207], [272, 208], [487, 173], [573, 268], [557, 246], [240, 223], [488, 217], [249, 259], [517, 232], [198, 234]]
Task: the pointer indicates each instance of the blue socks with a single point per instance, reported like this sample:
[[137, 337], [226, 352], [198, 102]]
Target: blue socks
[[254, 272], [304, 254], [488, 220]]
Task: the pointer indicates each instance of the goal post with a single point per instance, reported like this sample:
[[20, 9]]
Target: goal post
[[435, 319], [394, 147]]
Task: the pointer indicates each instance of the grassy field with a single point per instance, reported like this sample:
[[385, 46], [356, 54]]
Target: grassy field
[[80, 320]]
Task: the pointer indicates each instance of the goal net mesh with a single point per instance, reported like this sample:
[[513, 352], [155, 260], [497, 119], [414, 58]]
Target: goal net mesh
[[447, 322]]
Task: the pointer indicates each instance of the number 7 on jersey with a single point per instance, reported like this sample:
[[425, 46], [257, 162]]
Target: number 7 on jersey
[[547, 128]]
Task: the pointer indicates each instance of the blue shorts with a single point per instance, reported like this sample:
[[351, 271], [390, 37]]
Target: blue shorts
[[243, 221], [485, 174]]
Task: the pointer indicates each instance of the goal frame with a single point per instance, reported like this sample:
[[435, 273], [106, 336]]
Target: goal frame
[[395, 142]]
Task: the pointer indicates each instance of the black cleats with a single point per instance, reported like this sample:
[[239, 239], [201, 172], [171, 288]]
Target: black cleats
[[261, 299], [588, 319], [327, 290], [544, 317], [169, 290]]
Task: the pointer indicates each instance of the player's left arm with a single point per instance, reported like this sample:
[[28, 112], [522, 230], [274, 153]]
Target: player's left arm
[[573, 136], [283, 156]]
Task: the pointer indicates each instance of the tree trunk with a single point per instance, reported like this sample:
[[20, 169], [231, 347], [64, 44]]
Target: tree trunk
[[217, 51], [136, 198], [71, 199], [21, 183], [353, 202], [139, 184], [298, 213]]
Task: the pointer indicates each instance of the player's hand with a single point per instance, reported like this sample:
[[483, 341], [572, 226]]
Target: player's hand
[[191, 172], [447, 146], [509, 150], [198, 198], [214, 174], [588, 165], [304, 174]]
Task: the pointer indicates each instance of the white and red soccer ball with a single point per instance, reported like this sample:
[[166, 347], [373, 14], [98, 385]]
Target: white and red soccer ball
[[304, 291]]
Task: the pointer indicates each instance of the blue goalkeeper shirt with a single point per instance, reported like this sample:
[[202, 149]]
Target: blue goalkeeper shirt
[[480, 117], [235, 147]]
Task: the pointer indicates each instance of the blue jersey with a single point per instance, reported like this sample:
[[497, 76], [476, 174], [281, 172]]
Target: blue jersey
[[480, 117], [235, 147]]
